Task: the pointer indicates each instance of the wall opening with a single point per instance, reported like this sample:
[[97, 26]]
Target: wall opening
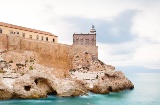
[[37, 37], [53, 40], [110, 88], [30, 36], [36, 81], [10, 31], [46, 38], [23, 34], [27, 88], [0, 30]]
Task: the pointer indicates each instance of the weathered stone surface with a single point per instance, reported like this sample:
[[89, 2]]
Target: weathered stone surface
[[38, 83], [5, 91], [70, 88], [32, 85], [97, 76], [34, 69]]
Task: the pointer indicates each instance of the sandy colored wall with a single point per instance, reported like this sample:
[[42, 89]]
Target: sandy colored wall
[[48, 54], [3, 42], [6, 30], [13, 43], [82, 49]]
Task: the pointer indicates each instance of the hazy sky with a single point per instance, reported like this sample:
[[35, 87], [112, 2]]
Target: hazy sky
[[128, 31]]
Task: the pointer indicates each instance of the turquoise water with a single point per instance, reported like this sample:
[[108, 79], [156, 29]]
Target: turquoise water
[[146, 92]]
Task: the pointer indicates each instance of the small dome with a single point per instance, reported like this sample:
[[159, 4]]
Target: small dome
[[93, 29]]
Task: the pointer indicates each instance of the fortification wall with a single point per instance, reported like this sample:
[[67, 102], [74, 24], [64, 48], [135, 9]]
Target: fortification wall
[[48, 54], [13, 42], [82, 49], [58, 56], [3, 42]]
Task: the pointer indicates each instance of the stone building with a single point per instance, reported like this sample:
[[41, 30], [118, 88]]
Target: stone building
[[85, 39], [14, 30]]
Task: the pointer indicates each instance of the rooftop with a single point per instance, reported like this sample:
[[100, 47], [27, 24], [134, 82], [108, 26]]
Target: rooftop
[[26, 29]]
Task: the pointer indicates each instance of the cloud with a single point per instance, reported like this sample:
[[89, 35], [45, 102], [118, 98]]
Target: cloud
[[127, 30], [116, 31]]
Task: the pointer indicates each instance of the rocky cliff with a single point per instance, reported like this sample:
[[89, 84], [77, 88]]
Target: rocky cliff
[[33, 69]]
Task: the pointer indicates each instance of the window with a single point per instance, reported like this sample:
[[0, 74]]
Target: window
[[37, 37], [17, 32], [30, 36], [23, 34], [10, 31], [53, 40], [46, 38], [0, 30], [42, 37]]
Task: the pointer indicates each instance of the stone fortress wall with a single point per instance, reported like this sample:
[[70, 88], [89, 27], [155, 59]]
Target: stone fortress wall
[[3, 42], [47, 53]]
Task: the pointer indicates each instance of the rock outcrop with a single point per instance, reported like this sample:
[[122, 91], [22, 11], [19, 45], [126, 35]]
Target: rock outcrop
[[21, 76], [5, 91], [37, 84], [97, 76]]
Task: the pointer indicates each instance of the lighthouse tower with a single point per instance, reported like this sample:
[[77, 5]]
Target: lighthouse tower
[[88, 39]]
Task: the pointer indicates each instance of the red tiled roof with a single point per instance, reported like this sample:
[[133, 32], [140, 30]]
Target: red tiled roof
[[25, 29]]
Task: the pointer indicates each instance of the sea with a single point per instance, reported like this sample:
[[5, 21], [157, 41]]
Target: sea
[[146, 92]]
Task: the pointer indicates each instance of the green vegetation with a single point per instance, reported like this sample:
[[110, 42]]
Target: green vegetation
[[26, 61], [31, 60], [2, 61], [2, 71], [22, 74], [20, 65], [72, 70], [30, 68], [10, 61]]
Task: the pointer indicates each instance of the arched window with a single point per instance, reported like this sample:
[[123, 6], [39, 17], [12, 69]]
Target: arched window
[[0, 30], [53, 40]]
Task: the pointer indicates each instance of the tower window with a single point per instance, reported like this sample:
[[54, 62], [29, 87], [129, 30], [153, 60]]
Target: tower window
[[37, 37], [53, 39], [42, 37], [23, 34], [46, 38], [30, 36], [0, 30], [10, 31]]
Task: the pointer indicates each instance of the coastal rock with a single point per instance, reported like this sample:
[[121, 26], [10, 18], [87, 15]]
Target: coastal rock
[[38, 84], [112, 81], [5, 91], [103, 81], [25, 77], [35, 84], [70, 88]]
